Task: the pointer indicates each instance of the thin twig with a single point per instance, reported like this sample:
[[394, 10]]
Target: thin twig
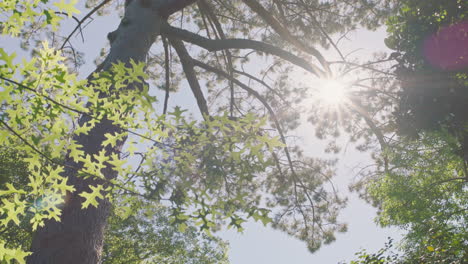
[[94, 10], [77, 111], [168, 74]]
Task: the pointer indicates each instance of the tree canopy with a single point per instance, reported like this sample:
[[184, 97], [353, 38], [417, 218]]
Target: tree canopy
[[106, 149]]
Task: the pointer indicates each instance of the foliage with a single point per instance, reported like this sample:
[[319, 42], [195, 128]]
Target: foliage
[[38, 111], [383, 256], [423, 189], [144, 237], [418, 255], [419, 183], [147, 236], [425, 193], [218, 171], [434, 88], [13, 171], [37, 124], [239, 162]]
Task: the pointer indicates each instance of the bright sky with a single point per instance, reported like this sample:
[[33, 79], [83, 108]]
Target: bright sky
[[260, 244]]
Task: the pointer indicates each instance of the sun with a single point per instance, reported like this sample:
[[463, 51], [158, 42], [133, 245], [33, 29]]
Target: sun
[[331, 92]]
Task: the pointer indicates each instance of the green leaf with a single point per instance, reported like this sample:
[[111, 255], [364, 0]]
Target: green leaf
[[182, 227], [8, 59], [13, 210], [68, 8], [91, 197], [8, 254], [11, 189]]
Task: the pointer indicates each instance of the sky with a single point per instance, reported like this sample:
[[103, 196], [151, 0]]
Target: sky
[[259, 244]]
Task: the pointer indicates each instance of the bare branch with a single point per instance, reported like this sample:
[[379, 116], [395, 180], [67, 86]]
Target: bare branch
[[364, 66], [187, 65], [94, 10], [225, 44]]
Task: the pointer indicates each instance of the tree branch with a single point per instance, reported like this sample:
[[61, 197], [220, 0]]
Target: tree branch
[[168, 75], [366, 66], [225, 44], [284, 33], [377, 132], [94, 10], [228, 56], [261, 82], [187, 65]]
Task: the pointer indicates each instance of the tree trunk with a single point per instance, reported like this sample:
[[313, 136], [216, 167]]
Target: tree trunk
[[78, 237]]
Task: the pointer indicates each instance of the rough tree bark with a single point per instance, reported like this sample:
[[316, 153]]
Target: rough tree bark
[[78, 238]]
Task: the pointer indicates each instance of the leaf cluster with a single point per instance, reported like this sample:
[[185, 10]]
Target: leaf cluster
[[432, 97]]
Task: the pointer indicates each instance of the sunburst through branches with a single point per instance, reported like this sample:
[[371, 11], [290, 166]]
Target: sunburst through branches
[[331, 93]]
